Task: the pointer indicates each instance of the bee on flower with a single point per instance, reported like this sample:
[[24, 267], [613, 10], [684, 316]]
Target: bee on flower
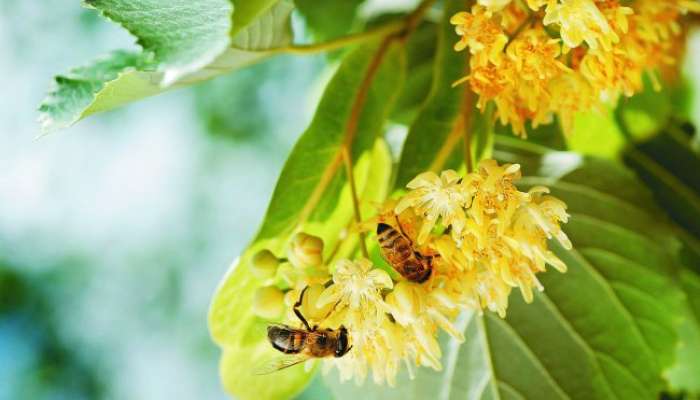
[[476, 236]]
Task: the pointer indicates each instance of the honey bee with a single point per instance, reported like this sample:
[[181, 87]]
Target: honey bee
[[300, 345], [397, 249]]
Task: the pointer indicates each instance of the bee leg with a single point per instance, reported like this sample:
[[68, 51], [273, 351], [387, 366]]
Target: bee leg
[[298, 313], [398, 223]]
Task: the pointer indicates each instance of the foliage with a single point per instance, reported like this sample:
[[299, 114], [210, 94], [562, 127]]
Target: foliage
[[623, 322], [176, 52], [665, 162]]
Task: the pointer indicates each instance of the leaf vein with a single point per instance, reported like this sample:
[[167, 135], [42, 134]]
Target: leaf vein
[[616, 300], [576, 336], [532, 356]]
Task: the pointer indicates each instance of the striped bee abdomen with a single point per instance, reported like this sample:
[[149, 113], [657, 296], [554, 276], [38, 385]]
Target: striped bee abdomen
[[398, 251], [290, 341]]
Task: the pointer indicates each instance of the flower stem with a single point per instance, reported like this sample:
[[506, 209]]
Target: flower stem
[[526, 22], [395, 31], [347, 160], [467, 110], [334, 44], [400, 27]]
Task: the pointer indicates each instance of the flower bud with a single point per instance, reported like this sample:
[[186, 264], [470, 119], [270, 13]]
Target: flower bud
[[264, 264], [291, 297], [305, 250], [268, 302], [309, 304]]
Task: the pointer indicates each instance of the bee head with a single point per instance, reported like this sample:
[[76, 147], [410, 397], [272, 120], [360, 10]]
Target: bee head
[[342, 346]]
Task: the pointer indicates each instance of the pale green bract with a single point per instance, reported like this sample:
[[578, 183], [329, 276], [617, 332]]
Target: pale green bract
[[313, 195], [184, 42]]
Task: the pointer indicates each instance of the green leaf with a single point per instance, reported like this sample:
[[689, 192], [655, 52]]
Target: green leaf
[[549, 135], [270, 30], [312, 168], [684, 375], [167, 62], [246, 11], [420, 52], [596, 134], [605, 329], [668, 166], [184, 35], [82, 91], [329, 19], [646, 112], [433, 136], [311, 180], [643, 115]]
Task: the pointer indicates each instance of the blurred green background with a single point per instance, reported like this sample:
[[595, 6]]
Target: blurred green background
[[115, 233]]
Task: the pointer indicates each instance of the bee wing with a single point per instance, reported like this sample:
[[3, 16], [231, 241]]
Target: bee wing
[[287, 328], [278, 363], [302, 331]]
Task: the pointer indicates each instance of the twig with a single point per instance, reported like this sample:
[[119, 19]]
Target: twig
[[347, 158]]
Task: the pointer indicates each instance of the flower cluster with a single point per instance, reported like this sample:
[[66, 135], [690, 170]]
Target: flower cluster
[[485, 237], [539, 58]]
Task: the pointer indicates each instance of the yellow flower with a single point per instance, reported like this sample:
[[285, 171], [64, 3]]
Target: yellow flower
[[495, 195], [504, 243], [546, 213], [615, 14], [356, 298], [537, 4], [613, 72], [481, 33], [581, 20], [534, 56], [572, 94], [490, 81], [606, 48], [513, 16], [434, 197], [491, 290], [356, 285], [420, 310], [494, 5]]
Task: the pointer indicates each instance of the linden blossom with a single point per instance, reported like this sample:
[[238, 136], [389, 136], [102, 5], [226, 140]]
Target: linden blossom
[[493, 238], [602, 50]]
